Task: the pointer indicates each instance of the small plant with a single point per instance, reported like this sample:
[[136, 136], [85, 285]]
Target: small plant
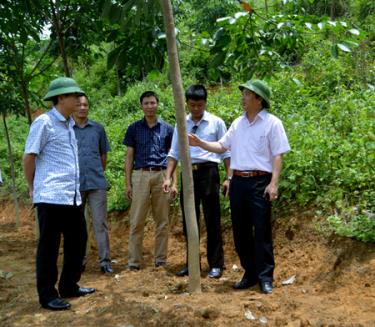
[[360, 227]]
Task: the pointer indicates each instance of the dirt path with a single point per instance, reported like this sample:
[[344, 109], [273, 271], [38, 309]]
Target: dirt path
[[335, 283]]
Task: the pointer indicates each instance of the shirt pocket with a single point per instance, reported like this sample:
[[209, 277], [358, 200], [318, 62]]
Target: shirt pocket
[[261, 144]]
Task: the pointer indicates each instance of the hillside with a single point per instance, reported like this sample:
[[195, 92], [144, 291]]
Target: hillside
[[335, 282]]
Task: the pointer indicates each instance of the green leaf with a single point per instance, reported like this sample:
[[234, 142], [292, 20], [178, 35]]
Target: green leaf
[[334, 51]]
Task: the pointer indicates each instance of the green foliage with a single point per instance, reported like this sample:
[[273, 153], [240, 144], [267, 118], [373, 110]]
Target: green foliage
[[139, 24], [321, 72], [249, 44], [18, 129], [359, 227]]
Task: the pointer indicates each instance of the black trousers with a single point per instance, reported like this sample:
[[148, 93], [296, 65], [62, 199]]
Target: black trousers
[[56, 220], [206, 192], [251, 222]]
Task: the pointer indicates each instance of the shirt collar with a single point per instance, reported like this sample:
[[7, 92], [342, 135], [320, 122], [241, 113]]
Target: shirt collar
[[261, 114], [204, 117], [144, 122], [88, 122], [61, 118]]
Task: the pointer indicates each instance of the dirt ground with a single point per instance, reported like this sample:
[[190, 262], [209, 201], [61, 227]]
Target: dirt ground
[[334, 286]]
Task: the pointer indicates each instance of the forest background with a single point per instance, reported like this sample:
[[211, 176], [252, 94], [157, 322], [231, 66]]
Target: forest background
[[317, 56]]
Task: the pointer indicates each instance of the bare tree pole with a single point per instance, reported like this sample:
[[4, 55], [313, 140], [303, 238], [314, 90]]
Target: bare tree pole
[[11, 160], [187, 176]]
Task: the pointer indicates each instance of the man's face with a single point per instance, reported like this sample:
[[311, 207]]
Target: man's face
[[83, 109], [250, 101], [149, 106], [196, 108], [69, 102]]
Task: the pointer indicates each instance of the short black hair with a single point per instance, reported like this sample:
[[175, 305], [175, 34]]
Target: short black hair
[[55, 100], [148, 94], [196, 92], [85, 96]]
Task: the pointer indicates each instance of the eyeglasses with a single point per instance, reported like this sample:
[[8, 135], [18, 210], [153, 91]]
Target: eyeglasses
[[194, 129]]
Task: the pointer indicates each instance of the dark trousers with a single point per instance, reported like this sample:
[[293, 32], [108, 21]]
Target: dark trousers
[[251, 222], [55, 220], [206, 192]]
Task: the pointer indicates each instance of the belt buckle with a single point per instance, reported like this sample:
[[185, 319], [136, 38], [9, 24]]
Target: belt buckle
[[246, 174]]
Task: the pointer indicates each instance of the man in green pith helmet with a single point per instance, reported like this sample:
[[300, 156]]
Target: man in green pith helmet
[[52, 173], [257, 142]]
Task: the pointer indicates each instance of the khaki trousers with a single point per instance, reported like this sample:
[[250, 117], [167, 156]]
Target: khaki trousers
[[148, 191]]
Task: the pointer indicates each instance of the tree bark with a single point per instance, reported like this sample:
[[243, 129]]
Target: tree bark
[[56, 21], [11, 160], [187, 176], [26, 102]]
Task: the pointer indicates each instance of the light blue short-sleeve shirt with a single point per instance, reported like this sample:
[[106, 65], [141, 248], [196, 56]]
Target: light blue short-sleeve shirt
[[56, 179], [209, 128]]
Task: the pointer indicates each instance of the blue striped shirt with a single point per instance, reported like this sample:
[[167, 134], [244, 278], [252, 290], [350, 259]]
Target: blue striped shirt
[[56, 179], [151, 145]]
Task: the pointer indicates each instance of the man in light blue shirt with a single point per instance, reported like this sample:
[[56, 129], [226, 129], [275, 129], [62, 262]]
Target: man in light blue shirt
[[205, 175], [51, 170]]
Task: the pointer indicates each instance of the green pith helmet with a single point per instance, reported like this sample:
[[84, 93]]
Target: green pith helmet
[[62, 85], [260, 88]]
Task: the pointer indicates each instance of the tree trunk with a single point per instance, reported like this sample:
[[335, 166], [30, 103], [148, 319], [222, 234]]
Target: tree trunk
[[56, 21], [187, 177], [266, 6], [11, 160], [25, 97]]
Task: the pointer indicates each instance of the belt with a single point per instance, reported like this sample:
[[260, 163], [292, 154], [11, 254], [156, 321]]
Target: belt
[[250, 173], [152, 168], [201, 165]]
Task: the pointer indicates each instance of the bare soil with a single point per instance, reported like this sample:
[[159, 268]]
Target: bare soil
[[334, 286]]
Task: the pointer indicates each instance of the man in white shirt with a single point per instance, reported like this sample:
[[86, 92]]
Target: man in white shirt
[[205, 174], [257, 142]]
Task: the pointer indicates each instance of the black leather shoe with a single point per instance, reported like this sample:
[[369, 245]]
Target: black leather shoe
[[244, 283], [266, 287], [107, 268], [183, 272], [215, 273], [82, 291], [56, 304]]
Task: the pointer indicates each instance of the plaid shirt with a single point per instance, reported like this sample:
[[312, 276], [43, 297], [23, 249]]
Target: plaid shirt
[[151, 145], [56, 179]]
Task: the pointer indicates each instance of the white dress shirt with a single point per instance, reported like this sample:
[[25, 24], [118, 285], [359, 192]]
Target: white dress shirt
[[253, 145]]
